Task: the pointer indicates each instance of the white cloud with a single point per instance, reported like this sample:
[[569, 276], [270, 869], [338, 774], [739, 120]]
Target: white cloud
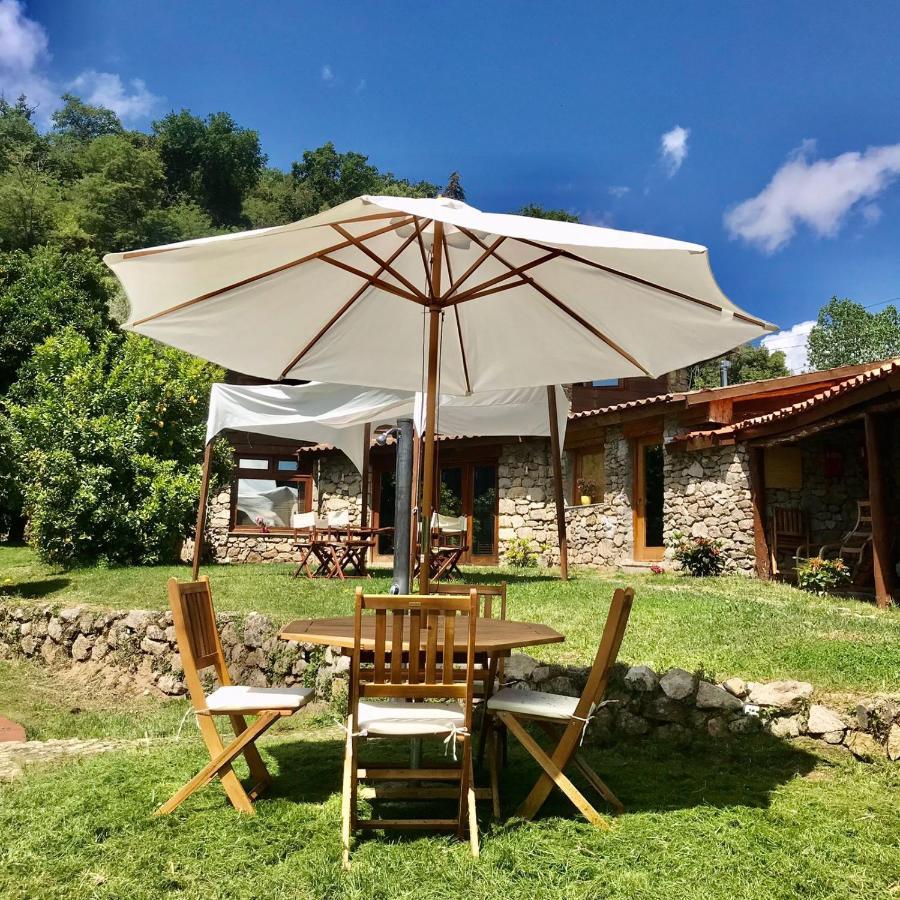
[[24, 54], [107, 89], [793, 342], [619, 190], [361, 85], [327, 73], [23, 48], [818, 193], [673, 147]]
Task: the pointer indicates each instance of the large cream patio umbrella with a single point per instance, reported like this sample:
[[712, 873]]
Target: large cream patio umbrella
[[416, 294]]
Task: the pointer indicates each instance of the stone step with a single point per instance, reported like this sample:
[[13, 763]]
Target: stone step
[[639, 566]]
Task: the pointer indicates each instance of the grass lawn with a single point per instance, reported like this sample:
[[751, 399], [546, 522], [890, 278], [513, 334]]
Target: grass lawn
[[756, 818], [726, 626]]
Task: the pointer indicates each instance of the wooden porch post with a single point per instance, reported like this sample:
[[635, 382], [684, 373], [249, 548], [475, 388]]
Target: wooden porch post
[[364, 511], [201, 510], [758, 502], [557, 484], [881, 544]]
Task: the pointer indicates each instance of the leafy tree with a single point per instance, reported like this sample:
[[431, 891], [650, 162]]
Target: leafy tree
[[111, 439], [42, 292], [536, 211], [121, 185], [325, 178], [748, 363], [847, 334], [84, 122], [273, 201], [10, 497], [212, 162], [17, 131], [29, 198], [454, 189]]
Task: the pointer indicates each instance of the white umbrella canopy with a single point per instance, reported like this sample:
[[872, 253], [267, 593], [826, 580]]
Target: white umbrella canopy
[[348, 295], [343, 297]]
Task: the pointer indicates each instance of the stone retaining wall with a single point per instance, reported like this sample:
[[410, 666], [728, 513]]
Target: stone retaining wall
[[139, 646]]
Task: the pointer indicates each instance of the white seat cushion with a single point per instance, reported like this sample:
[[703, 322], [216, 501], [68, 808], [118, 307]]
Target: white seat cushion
[[396, 717], [533, 703], [238, 698]]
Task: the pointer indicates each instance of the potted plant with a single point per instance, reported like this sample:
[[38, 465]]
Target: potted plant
[[263, 524], [587, 489]]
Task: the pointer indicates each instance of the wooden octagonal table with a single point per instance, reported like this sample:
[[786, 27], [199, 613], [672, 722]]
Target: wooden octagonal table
[[493, 637]]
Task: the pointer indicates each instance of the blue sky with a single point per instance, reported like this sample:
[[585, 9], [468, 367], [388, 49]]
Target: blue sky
[[767, 131]]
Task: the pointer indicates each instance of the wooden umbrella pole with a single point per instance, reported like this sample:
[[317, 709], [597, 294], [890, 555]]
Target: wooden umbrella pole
[[434, 320], [417, 514], [201, 510], [364, 510], [555, 452]]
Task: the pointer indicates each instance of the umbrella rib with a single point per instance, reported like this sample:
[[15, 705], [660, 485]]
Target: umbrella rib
[[419, 226], [462, 349], [385, 266], [465, 275], [562, 306], [330, 323], [269, 272], [512, 273], [651, 284], [374, 281], [456, 301]]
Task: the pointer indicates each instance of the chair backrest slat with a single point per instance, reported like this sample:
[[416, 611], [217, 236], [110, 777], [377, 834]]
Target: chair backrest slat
[[196, 634], [420, 625], [607, 652], [488, 595]]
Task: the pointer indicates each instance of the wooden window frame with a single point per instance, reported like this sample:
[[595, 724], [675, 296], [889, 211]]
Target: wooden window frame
[[578, 454], [270, 473]]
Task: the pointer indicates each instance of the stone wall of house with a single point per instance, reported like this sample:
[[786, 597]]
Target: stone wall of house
[[830, 502], [707, 494], [137, 648], [339, 487], [602, 533]]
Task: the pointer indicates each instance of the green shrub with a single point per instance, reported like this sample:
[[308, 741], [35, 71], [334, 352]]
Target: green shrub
[[109, 446], [519, 554], [820, 576], [700, 556]]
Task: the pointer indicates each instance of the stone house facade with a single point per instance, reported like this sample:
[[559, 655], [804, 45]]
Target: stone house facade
[[700, 463]]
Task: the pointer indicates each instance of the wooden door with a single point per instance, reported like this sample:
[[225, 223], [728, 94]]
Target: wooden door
[[470, 489], [383, 507], [649, 498]]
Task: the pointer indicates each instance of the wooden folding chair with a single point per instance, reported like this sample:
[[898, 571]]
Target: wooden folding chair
[[200, 647], [488, 670], [855, 547], [565, 720], [411, 660]]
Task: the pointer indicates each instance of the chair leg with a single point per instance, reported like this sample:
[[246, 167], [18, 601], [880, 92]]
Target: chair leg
[[220, 764], [598, 784], [348, 795], [494, 762], [258, 771], [462, 812], [554, 773], [473, 813]]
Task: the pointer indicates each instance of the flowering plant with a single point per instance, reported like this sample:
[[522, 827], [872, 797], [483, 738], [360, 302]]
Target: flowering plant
[[822, 575], [657, 570], [586, 487], [701, 556], [263, 524]]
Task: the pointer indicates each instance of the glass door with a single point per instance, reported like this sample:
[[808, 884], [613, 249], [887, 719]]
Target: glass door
[[470, 489]]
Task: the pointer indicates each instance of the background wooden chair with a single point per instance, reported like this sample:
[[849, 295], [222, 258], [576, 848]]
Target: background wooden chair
[[412, 660], [200, 648], [855, 546], [789, 533], [565, 720], [488, 670]]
